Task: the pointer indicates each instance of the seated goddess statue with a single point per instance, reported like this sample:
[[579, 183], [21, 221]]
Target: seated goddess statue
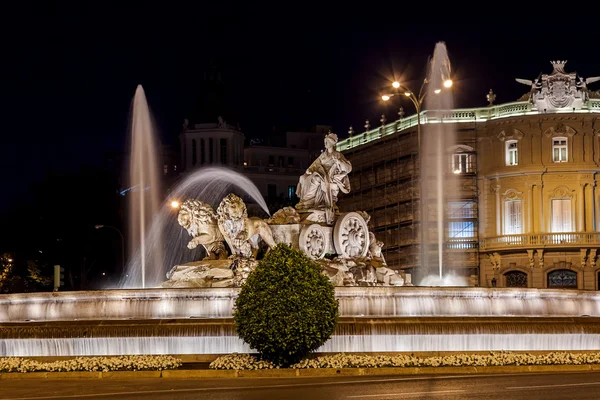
[[318, 188]]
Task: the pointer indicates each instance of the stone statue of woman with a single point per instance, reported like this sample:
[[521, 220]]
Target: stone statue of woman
[[318, 188]]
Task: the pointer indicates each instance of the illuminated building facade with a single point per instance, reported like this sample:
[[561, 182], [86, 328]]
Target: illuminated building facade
[[526, 213]]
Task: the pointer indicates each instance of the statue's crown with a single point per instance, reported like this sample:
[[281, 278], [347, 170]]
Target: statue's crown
[[559, 66], [332, 136]]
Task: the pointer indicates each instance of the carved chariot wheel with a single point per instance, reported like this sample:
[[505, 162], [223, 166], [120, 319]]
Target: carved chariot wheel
[[351, 236], [314, 241]]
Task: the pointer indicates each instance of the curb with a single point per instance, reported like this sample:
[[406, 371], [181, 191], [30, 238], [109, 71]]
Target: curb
[[292, 373]]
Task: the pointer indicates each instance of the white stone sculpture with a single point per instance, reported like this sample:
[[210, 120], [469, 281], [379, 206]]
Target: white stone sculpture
[[559, 89], [341, 243], [242, 233], [200, 221], [319, 187]]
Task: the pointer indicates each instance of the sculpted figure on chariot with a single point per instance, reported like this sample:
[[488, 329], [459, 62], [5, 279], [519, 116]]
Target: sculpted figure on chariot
[[319, 187]]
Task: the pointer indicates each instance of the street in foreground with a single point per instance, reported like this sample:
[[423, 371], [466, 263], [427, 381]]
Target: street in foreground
[[546, 386]]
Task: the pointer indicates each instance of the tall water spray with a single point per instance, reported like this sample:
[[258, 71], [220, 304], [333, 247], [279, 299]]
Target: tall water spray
[[144, 182], [166, 241], [438, 186]]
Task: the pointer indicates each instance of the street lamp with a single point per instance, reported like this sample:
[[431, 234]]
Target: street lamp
[[122, 244], [417, 101]]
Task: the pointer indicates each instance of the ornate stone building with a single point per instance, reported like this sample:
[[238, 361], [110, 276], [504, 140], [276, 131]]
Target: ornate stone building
[[274, 169], [526, 213]]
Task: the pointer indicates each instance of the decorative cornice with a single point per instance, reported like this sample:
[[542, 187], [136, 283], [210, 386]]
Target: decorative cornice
[[560, 129], [515, 134], [512, 194], [561, 192]]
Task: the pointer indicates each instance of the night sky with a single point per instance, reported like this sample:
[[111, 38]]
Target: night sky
[[70, 72]]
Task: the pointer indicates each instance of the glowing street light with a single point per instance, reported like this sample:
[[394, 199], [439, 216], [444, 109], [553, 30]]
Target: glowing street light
[[417, 101], [175, 204]]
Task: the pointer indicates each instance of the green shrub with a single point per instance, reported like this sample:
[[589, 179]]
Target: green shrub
[[287, 307]]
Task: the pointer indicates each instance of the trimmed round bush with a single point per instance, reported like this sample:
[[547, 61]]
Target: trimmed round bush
[[286, 308]]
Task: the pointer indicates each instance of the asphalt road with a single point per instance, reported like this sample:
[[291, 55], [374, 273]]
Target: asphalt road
[[571, 386]]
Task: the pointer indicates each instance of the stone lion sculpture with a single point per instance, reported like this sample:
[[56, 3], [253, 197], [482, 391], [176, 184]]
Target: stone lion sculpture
[[200, 221], [242, 233]]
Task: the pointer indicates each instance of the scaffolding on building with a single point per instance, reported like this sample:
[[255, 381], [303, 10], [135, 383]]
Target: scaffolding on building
[[385, 183]]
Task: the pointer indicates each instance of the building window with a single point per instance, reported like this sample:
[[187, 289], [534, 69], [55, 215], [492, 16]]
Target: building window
[[461, 163], [202, 152], [562, 278], [210, 151], [271, 161], [561, 215], [512, 155], [559, 149], [461, 215], [291, 192], [516, 279], [598, 281], [512, 217], [290, 162], [194, 152], [223, 145]]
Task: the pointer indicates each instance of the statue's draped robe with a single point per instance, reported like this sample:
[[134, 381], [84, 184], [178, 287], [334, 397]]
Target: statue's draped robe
[[318, 188]]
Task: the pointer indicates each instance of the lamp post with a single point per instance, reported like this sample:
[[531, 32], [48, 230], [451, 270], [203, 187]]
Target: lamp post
[[417, 101], [122, 244]]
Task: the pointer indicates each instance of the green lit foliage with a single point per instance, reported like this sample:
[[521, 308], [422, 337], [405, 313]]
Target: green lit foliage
[[287, 307], [6, 267], [20, 276]]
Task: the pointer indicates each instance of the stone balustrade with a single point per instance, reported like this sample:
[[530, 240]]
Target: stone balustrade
[[480, 114], [540, 240]]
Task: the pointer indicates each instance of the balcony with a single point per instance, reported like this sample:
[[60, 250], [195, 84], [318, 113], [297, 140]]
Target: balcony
[[541, 240]]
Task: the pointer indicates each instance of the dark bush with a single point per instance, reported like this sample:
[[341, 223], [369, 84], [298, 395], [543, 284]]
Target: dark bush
[[287, 307]]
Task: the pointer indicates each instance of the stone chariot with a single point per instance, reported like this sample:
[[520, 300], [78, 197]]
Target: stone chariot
[[348, 237]]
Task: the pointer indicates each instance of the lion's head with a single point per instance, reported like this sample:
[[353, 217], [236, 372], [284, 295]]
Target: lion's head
[[232, 208], [194, 214], [232, 215]]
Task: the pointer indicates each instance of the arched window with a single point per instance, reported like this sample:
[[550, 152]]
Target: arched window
[[562, 278], [516, 279]]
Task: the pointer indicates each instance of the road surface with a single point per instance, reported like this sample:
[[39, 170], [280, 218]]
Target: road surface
[[529, 386]]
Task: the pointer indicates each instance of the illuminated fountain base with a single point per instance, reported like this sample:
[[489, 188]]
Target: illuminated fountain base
[[376, 319]]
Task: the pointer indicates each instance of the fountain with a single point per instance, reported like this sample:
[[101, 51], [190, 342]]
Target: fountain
[[437, 187], [210, 184], [192, 312], [144, 181]]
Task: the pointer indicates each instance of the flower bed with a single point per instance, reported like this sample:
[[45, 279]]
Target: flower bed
[[100, 364], [246, 361]]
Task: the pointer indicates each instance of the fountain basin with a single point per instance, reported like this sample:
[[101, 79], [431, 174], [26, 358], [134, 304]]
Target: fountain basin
[[372, 319], [389, 302], [217, 336]]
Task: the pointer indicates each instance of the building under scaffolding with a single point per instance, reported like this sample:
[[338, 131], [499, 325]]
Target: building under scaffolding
[[385, 182]]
